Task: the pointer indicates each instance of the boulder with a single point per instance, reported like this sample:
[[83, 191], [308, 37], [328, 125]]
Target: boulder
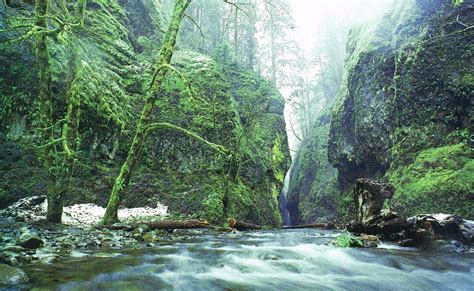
[[10, 276], [29, 240], [444, 226]]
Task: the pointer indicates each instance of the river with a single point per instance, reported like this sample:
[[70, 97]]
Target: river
[[261, 260]]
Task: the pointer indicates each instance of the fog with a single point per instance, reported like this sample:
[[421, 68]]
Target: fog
[[321, 27]]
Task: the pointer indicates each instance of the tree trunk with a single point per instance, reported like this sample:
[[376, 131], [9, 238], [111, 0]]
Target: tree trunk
[[45, 110], [70, 128], [166, 52], [240, 225], [236, 34], [328, 225], [165, 224]]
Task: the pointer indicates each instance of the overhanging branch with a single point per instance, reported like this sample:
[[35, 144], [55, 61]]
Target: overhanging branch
[[169, 126]]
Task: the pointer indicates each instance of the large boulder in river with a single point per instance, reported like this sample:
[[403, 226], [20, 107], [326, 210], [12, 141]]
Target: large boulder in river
[[10, 276]]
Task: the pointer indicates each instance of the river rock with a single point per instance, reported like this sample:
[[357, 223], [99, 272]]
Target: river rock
[[77, 254], [30, 208], [444, 226], [46, 258], [10, 276], [12, 248], [29, 240]]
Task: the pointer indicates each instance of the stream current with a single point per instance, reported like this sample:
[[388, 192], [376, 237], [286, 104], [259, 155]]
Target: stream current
[[262, 260]]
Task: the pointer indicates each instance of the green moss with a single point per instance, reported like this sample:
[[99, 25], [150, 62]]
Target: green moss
[[213, 208], [440, 179], [278, 157]]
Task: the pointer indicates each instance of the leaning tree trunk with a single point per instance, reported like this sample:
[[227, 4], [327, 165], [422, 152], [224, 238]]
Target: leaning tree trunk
[[166, 52]]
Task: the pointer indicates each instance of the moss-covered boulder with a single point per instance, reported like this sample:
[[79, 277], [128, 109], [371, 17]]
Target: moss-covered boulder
[[404, 111]]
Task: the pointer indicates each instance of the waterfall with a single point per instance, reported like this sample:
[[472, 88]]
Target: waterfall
[[285, 214]]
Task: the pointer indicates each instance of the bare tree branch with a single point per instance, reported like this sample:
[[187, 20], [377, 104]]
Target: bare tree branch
[[197, 25], [293, 130]]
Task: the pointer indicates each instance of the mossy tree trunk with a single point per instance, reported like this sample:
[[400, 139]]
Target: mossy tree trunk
[[69, 132], [166, 52], [57, 175], [45, 112]]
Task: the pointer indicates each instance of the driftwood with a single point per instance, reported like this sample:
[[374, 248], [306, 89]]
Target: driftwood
[[240, 225], [315, 225], [182, 224], [165, 224]]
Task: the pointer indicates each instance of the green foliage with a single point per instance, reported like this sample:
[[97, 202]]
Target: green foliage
[[440, 179], [347, 240], [457, 2], [241, 111], [213, 207], [278, 157]]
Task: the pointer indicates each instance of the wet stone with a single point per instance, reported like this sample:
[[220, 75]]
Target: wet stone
[[12, 248], [77, 254], [30, 241], [10, 276]]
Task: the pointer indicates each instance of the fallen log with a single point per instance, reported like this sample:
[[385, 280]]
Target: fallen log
[[164, 224], [180, 224], [314, 225], [240, 225]]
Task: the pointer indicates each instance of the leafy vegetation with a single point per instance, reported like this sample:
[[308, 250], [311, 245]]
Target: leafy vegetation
[[347, 240]]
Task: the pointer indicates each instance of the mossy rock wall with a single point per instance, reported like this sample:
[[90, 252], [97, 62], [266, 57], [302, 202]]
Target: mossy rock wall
[[313, 193], [405, 107], [174, 170]]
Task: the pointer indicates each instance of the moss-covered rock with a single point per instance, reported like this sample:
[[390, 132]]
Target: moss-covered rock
[[313, 193], [443, 174], [404, 104]]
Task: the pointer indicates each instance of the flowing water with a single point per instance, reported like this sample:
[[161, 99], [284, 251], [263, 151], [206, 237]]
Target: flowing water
[[263, 260]]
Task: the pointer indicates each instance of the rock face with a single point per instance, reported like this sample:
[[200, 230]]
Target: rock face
[[313, 193], [404, 109], [233, 107], [10, 276]]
